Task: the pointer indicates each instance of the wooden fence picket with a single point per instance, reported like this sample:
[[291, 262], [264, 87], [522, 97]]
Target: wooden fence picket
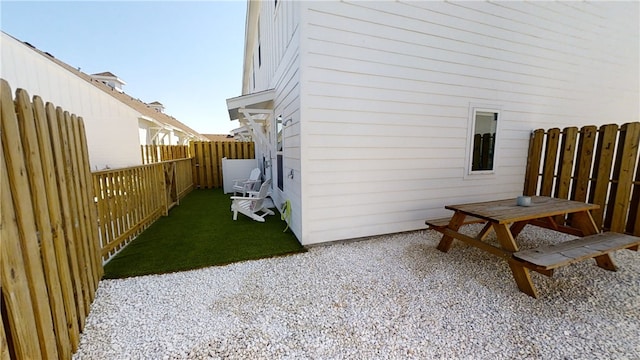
[[550, 158], [623, 172], [582, 172], [602, 170], [534, 157]]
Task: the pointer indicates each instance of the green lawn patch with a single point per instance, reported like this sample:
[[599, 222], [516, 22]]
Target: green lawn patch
[[200, 232]]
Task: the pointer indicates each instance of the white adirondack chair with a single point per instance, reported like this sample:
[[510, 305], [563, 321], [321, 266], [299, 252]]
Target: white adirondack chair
[[252, 205], [245, 185]]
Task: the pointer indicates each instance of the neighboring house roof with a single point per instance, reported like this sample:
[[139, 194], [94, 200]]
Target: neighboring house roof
[[136, 104], [219, 137], [106, 73]]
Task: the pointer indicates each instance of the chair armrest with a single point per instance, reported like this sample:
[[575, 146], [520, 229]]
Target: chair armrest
[[244, 198]]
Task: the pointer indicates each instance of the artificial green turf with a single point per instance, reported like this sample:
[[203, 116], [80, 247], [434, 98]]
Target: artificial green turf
[[201, 232]]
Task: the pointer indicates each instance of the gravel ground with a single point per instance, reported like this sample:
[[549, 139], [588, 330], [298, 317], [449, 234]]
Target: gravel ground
[[388, 297]]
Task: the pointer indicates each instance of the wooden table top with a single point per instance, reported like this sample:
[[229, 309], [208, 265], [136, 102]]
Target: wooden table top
[[507, 211]]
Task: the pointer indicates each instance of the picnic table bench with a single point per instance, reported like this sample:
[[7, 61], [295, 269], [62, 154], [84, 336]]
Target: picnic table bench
[[595, 246], [508, 219]]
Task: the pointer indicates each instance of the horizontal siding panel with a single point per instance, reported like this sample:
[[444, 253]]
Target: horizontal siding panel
[[446, 166], [344, 118], [361, 131], [443, 93], [378, 153], [382, 93], [440, 29], [391, 52], [383, 107], [480, 79], [408, 140], [423, 175]]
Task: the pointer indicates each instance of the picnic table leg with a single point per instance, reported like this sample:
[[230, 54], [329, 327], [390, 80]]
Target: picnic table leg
[[521, 274], [584, 221], [454, 224], [517, 227], [523, 278]]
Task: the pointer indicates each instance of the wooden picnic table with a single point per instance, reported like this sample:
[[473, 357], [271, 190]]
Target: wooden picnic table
[[508, 219]]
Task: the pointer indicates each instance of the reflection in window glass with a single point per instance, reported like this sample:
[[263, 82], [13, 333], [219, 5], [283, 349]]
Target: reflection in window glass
[[484, 140], [279, 146]]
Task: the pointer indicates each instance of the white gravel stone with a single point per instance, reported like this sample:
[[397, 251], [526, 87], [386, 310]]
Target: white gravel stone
[[388, 297]]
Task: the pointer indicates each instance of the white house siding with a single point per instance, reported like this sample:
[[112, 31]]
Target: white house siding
[[111, 127], [279, 70], [386, 89]]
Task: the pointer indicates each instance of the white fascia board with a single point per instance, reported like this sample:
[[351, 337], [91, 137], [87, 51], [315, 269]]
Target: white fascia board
[[259, 100], [151, 120]]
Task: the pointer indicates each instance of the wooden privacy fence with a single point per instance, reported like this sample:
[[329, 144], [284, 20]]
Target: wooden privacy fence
[[129, 200], [50, 259], [156, 153], [596, 165], [207, 160], [483, 148]]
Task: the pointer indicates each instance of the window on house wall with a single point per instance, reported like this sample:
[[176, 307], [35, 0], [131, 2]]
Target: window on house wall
[[253, 76], [279, 151], [484, 123], [259, 46]]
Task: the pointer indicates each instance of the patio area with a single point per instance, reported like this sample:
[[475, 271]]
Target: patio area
[[393, 297]]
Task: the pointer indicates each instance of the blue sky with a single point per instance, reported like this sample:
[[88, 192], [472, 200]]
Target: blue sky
[[185, 54]]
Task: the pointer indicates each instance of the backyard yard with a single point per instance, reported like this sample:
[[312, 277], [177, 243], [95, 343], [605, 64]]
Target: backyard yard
[[199, 233]]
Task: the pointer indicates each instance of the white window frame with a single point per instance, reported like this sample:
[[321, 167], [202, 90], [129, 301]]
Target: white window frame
[[482, 174]]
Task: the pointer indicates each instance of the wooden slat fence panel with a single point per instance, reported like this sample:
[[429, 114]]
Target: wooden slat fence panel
[[604, 168], [156, 153], [59, 222], [129, 200], [35, 168], [49, 270], [207, 160]]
